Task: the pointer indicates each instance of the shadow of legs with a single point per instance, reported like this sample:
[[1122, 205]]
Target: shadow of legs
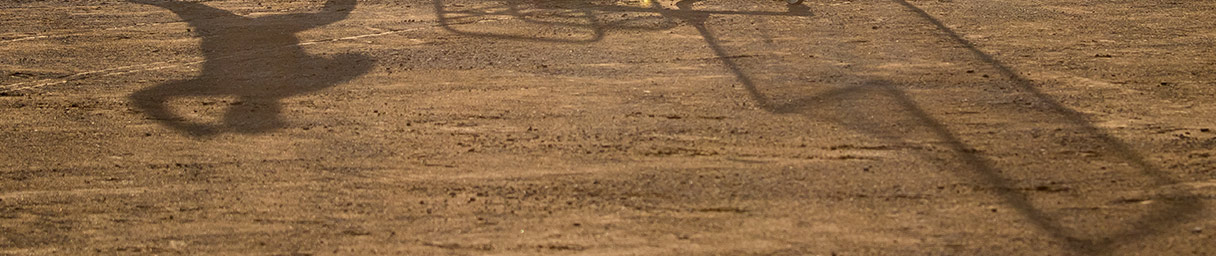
[[254, 115], [154, 101]]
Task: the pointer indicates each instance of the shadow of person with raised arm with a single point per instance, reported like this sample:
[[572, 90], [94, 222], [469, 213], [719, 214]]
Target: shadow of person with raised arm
[[258, 60]]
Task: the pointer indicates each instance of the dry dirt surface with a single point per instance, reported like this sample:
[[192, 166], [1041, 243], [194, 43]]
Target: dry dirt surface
[[605, 127]]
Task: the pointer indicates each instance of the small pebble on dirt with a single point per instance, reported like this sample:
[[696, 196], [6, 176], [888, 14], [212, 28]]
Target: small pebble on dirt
[[1205, 130]]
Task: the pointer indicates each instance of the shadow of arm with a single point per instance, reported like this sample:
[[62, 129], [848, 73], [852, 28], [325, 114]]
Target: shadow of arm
[[189, 11], [334, 11]]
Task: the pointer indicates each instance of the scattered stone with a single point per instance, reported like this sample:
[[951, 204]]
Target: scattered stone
[[1205, 130]]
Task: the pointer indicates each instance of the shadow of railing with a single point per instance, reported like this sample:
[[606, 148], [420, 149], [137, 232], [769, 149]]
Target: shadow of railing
[[1175, 207], [258, 60], [570, 14]]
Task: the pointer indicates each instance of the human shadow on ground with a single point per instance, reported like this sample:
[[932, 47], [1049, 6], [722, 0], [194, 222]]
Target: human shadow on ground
[[258, 60], [1172, 207]]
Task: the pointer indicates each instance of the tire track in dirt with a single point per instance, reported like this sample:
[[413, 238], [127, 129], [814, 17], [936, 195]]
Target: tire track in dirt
[[76, 33], [82, 192]]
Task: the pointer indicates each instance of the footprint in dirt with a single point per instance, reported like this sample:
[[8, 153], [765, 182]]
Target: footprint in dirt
[[258, 61]]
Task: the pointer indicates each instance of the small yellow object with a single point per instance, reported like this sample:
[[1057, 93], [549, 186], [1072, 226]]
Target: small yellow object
[[646, 3]]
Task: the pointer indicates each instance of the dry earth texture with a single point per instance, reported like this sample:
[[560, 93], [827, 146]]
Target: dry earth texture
[[607, 127]]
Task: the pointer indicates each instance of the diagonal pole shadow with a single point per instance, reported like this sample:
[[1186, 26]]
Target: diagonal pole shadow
[[1177, 207], [258, 60]]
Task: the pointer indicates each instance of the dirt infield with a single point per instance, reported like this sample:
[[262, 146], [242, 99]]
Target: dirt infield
[[525, 127]]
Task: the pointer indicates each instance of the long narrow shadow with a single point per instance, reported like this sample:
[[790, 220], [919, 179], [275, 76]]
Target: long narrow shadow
[[1179, 207], [1175, 208], [257, 60], [697, 19]]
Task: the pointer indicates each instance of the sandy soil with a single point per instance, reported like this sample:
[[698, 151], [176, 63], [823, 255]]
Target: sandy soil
[[601, 127]]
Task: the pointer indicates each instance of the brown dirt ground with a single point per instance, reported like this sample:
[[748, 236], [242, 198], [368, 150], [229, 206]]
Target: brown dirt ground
[[602, 127]]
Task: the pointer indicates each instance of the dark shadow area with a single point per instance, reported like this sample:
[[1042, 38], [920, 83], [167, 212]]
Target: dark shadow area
[[257, 60], [1172, 208], [566, 15], [577, 15], [1176, 207]]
